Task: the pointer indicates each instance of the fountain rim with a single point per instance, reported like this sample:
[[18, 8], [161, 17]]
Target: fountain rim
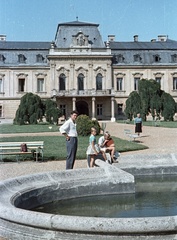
[[70, 223]]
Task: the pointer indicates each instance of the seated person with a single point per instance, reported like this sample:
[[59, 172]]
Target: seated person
[[106, 144]]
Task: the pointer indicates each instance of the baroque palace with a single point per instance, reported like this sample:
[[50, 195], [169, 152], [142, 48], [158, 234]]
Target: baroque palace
[[80, 71]]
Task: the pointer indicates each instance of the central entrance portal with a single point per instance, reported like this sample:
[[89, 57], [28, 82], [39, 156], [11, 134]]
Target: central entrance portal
[[82, 107]]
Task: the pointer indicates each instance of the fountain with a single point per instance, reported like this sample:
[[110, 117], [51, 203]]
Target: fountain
[[21, 194]]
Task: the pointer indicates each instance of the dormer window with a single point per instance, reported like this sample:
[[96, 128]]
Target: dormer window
[[21, 58], [157, 58], [137, 58], [39, 58], [174, 58], [120, 58], [2, 58]]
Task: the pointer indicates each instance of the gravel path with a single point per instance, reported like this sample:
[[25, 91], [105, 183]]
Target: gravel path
[[159, 140]]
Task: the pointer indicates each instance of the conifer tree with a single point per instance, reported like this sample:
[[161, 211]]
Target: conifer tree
[[133, 105], [52, 112], [168, 106], [30, 110]]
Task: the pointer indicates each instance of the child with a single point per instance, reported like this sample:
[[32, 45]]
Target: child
[[93, 148]]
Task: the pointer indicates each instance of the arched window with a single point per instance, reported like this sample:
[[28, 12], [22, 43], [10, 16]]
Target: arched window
[[80, 80], [62, 82], [99, 82]]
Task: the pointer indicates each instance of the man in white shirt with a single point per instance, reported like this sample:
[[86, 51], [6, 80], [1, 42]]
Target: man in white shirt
[[68, 129]]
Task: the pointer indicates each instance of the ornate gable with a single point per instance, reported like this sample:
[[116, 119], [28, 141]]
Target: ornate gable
[[80, 39]]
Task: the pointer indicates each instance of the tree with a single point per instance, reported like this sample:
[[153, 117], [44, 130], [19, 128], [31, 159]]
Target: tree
[[149, 91], [150, 99], [52, 112], [30, 110], [133, 105], [168, 106]]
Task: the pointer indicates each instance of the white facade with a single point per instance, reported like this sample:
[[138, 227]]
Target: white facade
[[81, 72]]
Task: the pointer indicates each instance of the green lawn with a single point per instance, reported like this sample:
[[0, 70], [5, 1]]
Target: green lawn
[[10, 128], [55, 149]]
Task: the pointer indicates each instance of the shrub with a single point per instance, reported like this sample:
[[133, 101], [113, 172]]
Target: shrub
[[84, 124]]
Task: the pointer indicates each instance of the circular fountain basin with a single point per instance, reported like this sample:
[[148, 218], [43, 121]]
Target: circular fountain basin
[[21, 194]]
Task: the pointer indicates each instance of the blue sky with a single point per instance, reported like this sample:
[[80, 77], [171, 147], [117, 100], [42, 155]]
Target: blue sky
[[37, 20]]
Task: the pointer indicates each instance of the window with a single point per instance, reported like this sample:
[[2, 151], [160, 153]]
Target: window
[[175, 83], [21, 84], [2, 58], [99, 109], [0, 111], [1, 86], [21, 58], [99, 82], [39, 58], [62, 84], [136, 80], [120, 58], [137, 58], [119, 109], [80, 82], [157, 58], [40, 85], [119, 84], [174, 58], [63, 108], [158, 79]]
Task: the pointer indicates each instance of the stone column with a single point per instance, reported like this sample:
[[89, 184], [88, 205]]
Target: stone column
[[74, 103], [112, 110], [53, 83], [72, 82], [93, 108]]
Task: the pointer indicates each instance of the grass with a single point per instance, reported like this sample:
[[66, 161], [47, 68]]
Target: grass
[[55, 149], [10, 128]]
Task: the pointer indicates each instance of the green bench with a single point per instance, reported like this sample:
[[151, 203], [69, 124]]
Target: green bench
[[14, 148]]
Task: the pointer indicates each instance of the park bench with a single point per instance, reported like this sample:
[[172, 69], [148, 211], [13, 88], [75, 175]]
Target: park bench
[[132, 137], [14, 148], [127, 121]]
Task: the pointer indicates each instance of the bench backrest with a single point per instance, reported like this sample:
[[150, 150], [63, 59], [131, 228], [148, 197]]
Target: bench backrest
[[18, 144], [127, 131]]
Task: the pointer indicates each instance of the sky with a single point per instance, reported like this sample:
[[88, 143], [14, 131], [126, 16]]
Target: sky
[[37, 20]]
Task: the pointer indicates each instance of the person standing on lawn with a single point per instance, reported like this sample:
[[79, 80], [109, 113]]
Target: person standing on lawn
[[138, 124], [68, 129]]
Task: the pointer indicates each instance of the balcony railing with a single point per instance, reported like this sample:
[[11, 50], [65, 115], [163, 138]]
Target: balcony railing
[[87, 92]]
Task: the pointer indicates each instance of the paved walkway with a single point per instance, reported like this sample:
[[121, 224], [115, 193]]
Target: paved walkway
[[159, 140]]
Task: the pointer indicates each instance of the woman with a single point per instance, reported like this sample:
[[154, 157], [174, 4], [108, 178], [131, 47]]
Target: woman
[[138, 124]]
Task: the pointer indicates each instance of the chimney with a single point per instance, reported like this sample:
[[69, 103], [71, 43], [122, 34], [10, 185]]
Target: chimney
[[2, 37], [162, 38], [135, 38], [111, 38]]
